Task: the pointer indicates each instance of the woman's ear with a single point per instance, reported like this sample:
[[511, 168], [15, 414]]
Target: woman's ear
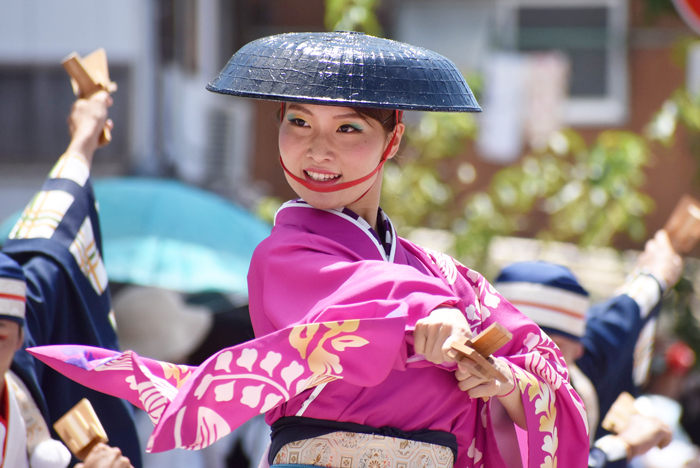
[[399, 129]]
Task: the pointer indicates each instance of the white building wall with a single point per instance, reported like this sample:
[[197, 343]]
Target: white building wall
[[207, 136], [43, 32], [169, 108], [460, 30]]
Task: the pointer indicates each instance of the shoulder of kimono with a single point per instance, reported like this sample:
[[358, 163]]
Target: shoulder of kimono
[[291, 239]]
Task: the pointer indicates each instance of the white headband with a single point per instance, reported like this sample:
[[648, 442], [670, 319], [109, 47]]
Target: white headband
[[548, 306], [13, 297]]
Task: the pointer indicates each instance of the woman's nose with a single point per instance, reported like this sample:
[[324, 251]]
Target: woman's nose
[[319, 156], [320, 150]]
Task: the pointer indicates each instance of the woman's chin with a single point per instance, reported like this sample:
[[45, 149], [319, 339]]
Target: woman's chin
[[322, 204]]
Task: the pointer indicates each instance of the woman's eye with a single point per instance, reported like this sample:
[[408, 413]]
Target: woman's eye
[[298, 122], [348, 129]]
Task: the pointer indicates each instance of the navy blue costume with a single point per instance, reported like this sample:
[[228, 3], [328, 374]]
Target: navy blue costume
[[612, 332], [611, 345], [57, 243], [616, 335]]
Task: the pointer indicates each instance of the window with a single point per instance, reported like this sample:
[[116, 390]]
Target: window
[[592, 34], [178, 33], [459, 30], [36, 99]]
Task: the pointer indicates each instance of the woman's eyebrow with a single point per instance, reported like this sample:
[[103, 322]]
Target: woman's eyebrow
[[348, 116], [299, 108]]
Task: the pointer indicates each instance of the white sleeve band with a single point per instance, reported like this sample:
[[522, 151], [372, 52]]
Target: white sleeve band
[[645, 289], [614, 447]]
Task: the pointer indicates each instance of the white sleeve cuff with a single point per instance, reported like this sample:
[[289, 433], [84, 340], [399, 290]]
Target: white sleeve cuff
[[645, 289], [614, 447]]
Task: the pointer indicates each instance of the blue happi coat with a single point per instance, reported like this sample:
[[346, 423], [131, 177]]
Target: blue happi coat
[[617, 345], [57, 243]]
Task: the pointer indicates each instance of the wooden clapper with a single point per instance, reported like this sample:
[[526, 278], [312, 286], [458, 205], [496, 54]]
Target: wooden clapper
[[619, 414], [89, 75], [683, 226], [80, 429], [480, 349]]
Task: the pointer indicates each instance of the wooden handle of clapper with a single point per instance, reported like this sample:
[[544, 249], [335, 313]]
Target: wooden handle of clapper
[[619, 414], [683, 226], [80, 429], [481, 348], [88, 76]]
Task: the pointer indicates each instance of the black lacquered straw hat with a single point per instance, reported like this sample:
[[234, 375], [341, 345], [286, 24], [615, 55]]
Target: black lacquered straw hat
[[348, 69]]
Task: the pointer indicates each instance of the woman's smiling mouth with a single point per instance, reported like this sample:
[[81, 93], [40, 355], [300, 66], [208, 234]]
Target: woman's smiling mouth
[[318, 177]]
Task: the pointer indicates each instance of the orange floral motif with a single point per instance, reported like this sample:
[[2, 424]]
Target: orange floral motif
[[178, 373], [302, 342], [321, 361]]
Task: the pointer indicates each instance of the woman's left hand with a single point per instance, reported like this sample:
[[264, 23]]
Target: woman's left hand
[[477, 387], [471, 382]]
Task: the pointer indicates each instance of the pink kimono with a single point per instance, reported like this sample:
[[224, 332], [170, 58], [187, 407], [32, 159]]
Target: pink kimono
[[334, 310], [320, 266]]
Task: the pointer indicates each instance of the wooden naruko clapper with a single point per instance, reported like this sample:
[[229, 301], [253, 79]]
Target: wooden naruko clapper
[[80, 429], [480, 348], [89, 75], [683, 226], [619, 414]]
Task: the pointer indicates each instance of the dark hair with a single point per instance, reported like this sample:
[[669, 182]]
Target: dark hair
[[386, 117]]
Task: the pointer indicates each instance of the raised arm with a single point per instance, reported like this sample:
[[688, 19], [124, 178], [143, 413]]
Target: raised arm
[[58, 244], [86, 120], [614, 327]]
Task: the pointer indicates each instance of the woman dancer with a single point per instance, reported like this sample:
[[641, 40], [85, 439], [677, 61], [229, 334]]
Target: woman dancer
[[334, 255], [354, 324]]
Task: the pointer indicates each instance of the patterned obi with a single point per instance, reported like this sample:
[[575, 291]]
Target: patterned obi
[[371, 449]]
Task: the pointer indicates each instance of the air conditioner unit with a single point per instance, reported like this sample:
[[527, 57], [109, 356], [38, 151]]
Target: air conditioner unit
[[229, 147]]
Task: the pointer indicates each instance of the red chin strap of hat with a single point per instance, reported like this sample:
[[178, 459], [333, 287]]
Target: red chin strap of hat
[[344, 185]]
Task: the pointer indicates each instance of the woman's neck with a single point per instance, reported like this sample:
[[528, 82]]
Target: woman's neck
[[367, 207], [370, 217]]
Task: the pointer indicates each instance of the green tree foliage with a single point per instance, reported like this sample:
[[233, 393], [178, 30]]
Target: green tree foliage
[[584, 194], [416, 190], [681, 109], [681, 304], [654, 9], [353, 15]]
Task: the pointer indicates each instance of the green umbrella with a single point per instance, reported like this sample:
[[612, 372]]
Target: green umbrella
[[170, 235]]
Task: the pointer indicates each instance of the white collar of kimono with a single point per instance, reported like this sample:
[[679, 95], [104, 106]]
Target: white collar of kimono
[[359, 222]]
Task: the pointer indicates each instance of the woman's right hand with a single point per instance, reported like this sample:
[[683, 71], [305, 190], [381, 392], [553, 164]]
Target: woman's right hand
[[434, 334]]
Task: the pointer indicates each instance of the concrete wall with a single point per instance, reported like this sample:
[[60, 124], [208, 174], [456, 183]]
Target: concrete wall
[[43, 32], [34, 31]]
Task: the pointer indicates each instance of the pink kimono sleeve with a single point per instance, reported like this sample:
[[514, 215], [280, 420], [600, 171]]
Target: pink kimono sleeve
[[557, 432]]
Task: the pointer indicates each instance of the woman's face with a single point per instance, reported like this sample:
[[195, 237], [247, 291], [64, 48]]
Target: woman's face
[[327, 145]]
